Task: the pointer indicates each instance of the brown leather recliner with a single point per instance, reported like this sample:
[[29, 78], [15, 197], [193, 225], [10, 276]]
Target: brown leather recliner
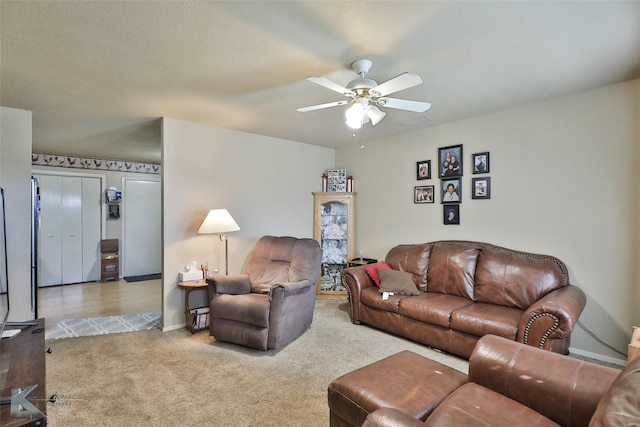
[[272, 304]]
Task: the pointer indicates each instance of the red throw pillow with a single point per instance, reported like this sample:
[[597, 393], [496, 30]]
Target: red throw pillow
[[373, 273]]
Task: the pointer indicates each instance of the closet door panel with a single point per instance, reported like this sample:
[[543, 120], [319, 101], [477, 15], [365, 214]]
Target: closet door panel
[[71, 230], [50, 241]]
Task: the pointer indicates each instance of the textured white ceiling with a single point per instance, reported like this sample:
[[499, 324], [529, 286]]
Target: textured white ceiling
[[98, 75]]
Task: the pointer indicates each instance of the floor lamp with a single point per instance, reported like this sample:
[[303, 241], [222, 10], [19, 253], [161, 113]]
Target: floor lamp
[[219, 221]]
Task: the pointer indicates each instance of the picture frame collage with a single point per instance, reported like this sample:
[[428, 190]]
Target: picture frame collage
[[450, 171]]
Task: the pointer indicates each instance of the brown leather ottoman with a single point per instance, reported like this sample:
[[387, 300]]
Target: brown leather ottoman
[[405, 381]]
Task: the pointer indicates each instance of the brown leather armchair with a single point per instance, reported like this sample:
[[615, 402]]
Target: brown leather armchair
[[272, 304]]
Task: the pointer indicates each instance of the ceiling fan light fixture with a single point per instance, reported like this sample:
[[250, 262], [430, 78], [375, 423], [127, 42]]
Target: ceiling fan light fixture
[[366, 95], [356, 114], [354, 124], [375, 114]]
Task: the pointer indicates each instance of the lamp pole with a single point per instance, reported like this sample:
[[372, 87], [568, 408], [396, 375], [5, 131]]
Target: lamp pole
[[224, 238]]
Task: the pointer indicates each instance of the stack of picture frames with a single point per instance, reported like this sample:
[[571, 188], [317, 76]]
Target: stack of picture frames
[[450, 171]]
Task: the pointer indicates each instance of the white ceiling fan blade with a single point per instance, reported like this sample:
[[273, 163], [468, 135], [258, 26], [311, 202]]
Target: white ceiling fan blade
[[404, 104], [375, 114], [324, 82], [396, 84], [321, 106]]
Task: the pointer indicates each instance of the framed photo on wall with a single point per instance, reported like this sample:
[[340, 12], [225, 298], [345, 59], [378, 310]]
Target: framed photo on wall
[[423, 170], [451, 214], [451, 191], [481, 188], [450, 161], [480, 162], [114, 211], [423, 194]]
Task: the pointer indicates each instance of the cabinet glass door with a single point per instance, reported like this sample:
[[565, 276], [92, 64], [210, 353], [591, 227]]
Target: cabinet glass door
[[334, 231]]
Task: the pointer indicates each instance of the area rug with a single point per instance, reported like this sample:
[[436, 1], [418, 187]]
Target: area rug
[[144, 277], [71, 328]]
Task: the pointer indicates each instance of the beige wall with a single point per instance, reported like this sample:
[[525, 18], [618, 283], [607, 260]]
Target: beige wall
[[564, 176], [15, 177], [265, 183]]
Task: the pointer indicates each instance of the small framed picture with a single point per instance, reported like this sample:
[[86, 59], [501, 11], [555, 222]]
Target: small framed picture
[[451, 190], [423, 169], [480, 162], [451, 214], [481, 188], [450, 161], [114, 211], [423, 194], [337, 180]]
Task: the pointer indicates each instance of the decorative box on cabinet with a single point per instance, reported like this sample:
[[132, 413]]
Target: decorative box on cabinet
[[333, 228], [109, 265]]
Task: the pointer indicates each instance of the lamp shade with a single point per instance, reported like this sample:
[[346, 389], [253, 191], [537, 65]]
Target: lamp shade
[[218, 221]]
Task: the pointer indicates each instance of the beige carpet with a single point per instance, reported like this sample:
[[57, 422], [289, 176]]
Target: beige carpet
[[175, 378]]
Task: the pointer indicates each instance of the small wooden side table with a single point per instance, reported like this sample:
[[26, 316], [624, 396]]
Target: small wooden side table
[[188, 287]]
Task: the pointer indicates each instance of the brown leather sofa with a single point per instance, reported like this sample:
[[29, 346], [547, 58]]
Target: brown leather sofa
[[467, 290], [511, 385]]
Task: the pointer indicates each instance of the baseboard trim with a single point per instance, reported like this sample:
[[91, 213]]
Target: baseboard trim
[[607, 359], [174, 327]]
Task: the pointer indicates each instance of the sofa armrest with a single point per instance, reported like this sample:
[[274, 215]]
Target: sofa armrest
[[553, 317], [563, 389], [232, 285], [355, 279], [390, 417]]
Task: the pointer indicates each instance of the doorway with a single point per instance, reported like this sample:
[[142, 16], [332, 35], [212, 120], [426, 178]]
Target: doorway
[[142, 228]]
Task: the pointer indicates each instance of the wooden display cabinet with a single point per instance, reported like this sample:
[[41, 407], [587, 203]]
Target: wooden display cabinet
[[334, 229], [109, 260]]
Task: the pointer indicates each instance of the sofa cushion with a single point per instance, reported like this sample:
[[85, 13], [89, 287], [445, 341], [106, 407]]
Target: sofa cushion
[[620, 405], [372, 271], [480, 319], [474, 405], [432, 308], [371, 297], [398, 282], [413, 259], [451, 268], [515, 279]]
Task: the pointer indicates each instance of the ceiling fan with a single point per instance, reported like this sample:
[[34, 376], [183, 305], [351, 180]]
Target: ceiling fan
[[366, 96]]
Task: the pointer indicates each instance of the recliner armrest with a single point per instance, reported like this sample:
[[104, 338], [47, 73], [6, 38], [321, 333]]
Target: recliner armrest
[[232, 285], [563, 389], [291, 287]]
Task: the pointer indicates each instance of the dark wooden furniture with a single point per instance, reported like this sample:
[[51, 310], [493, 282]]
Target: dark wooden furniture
[[109, 268], [22, 364], [190, 316]]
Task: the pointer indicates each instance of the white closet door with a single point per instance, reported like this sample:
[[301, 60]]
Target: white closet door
[[91, 229], [71, 230], [142, 227], [50, 241]]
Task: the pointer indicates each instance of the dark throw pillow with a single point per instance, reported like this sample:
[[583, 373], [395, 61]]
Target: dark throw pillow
[[398, 282]]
